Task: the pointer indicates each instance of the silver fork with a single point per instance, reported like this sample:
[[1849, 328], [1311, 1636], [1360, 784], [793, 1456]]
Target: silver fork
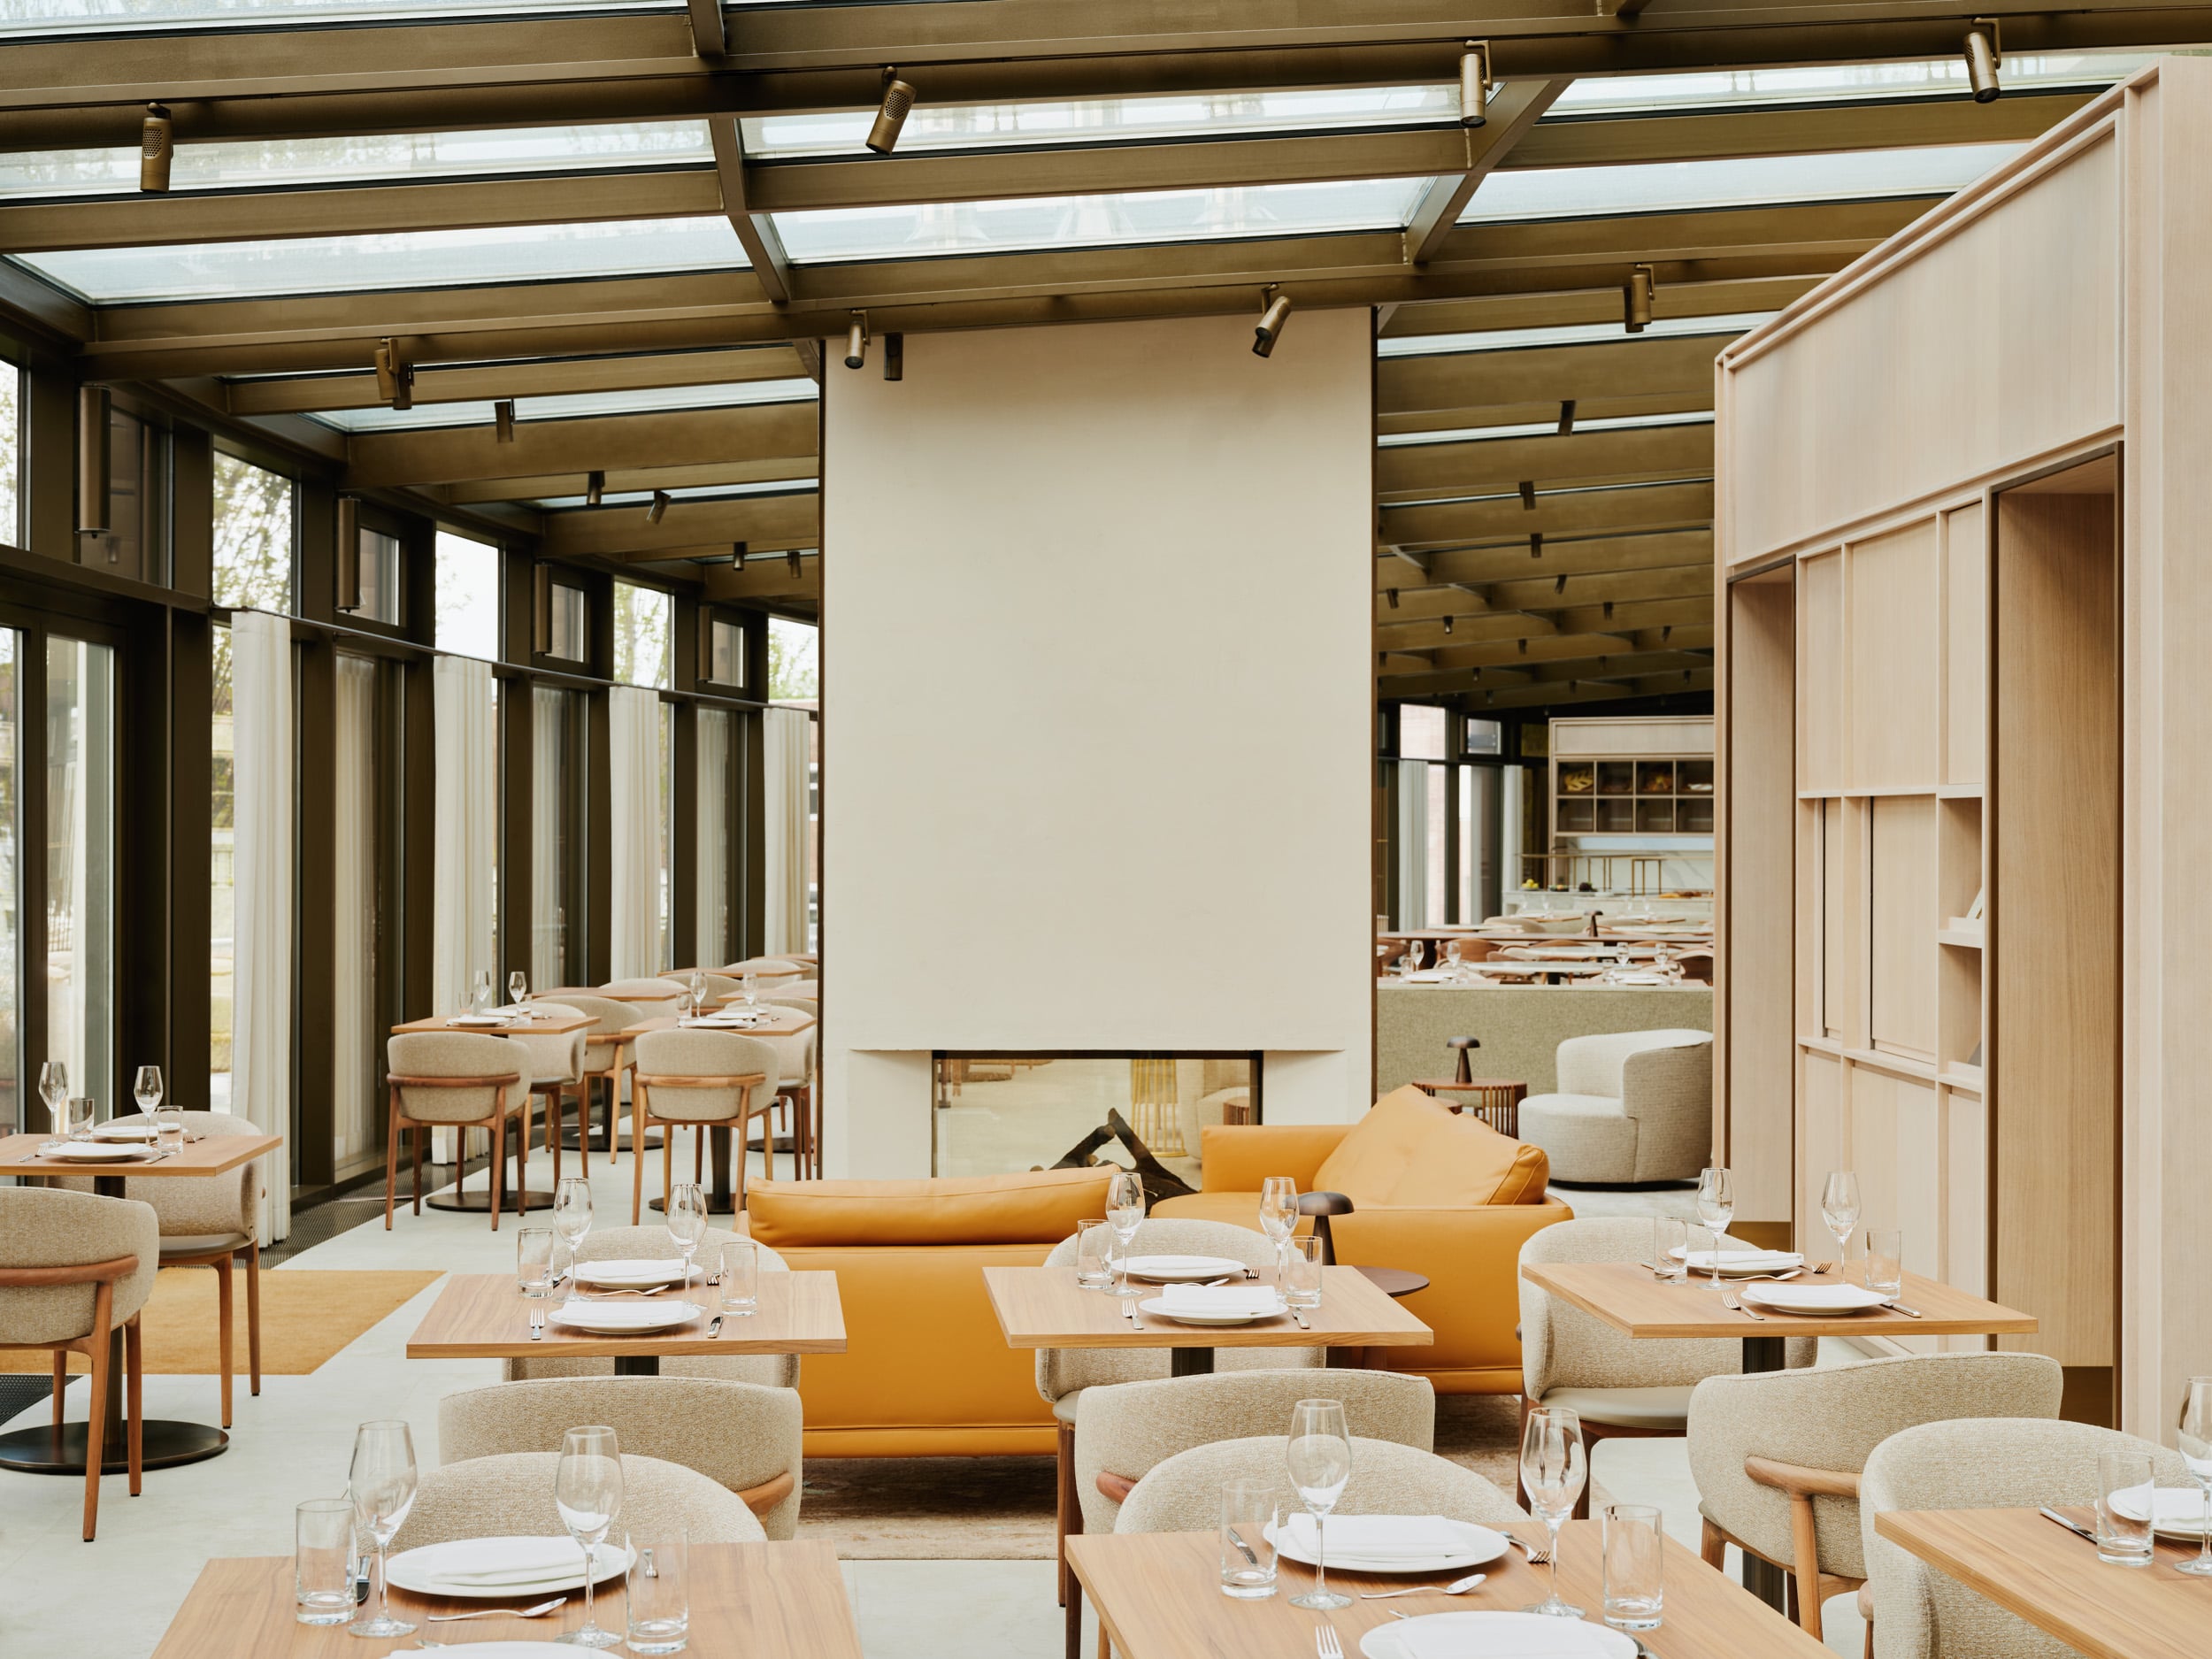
[[537, 1324], [1539, 1555], [539, 1611], [1731, 1300], [1130, 1308], [1324, 1640]]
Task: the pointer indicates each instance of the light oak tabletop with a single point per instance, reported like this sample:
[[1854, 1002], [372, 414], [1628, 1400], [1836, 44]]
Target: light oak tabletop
[[211, 1154], [778, 1022], [2034, 1567], [784, 1599], [485, 1315], [1625, 1296], [544, 1026], [1043, 1307], [1159, 1595]]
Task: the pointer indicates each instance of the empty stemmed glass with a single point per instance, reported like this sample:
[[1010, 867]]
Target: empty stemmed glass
[[146, 1090], [53, 1087], [2195, 1444], [572, 1216], [1278, 1217], [749, 982], [1840, 1208], [1716, 1208], [1320, 1458], [517, 986], [698, 992], [1553, 1468], [1125, 1210], [687, 1215], [587, 1491], [1451, 958], [481, 991], [383, 1489]]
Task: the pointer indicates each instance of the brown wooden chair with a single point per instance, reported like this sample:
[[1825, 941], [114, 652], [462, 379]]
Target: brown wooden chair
[[458, 1080], [709, 1080]]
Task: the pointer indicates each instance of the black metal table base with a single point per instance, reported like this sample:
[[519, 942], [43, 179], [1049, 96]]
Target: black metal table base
[[477, 1200], [1190, 1362], [47, 1450], [637, 1365], [1763, 1578]]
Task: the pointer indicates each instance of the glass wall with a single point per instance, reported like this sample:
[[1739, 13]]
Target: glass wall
[[382, 557], [644, 643], [11, 453], [356, 1042], [716, 760], [254, 536], [666, 749], [137, 540], [556, 836], [222, 910], [468, 596], [79, 864], [14, 1097]]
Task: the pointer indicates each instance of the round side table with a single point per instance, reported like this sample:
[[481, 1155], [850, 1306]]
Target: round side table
[[1495, 1100]]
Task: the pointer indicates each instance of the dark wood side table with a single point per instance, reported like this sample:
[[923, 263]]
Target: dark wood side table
[[1495, 1100]]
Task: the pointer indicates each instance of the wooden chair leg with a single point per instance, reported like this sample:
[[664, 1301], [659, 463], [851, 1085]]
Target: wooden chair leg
[[97, 1419], [223, 1329], [253, 1314], [699, 1156], [1712, 1546], [417, 1135], [583, 1123], [1068, 1509], [637, 1156], [668, 1162], [391, 1159], [553, 1136], [61, 1380], [522, 1148], [134, 1401], [1805, 1562], [499, 1158], [1075, 1619]]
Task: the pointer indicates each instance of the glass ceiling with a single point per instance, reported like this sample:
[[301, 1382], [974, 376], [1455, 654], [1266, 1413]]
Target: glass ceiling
[[567, 408], [1542, 429], [689, 492], [1564, 334], [75, 16], [1833, 83]]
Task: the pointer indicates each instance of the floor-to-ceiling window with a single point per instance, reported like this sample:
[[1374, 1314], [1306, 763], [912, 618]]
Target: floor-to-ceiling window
[[11, 453], [79, 864], [254, 515], [13, 1095], [222, 887], [556, 836], [712, 880], [644, 655], [356, 936]]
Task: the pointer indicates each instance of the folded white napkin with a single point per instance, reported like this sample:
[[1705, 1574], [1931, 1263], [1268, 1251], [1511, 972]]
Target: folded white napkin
[[1510, 1638], [1381, 1538], [1220, 1301], [2178, 1506], [513, 1561]]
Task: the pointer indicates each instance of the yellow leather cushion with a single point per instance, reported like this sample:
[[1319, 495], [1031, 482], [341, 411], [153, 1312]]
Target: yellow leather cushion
[[1238, 1157], [1368, 1163], [1463, 1161], [1036, 1207]]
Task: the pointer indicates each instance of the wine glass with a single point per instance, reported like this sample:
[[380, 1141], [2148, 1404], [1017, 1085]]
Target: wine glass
[[1840, 1208], [1125, 1209], [1451, 958], [571, 1214], [1278, 1217], [383, 1486], [53, 1087], [1320, 1458], [587, 1491], [481, 991], [1716, 1208], [686, 1210], [146, 1089], [517, 986], [1553, 1468], [750, 983], [698, 990], [2195, 1444]]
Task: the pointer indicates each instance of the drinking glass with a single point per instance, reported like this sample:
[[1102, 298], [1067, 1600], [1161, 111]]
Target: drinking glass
[[1839, 1207], [53, 1087], [533, 1260], [518, 986], [1251, 1513], [1302, 1280], [1553, 1469], [1279, 1214], [686, 1210], [571, 1214], [1885, 1260], [383, 1484], [1716, 1208], [749, 982], [481, 990], [1125, 1209], [322, 1562], [1320, 1459], [2195, 1444], [1669, 1233], [1094, 1256], [1635, 1562], [80, 1110], [740, 1277], [698, 989], [659, 1596], [1451, 958], [587, 1491], [168, 1126], [2124, 1483]]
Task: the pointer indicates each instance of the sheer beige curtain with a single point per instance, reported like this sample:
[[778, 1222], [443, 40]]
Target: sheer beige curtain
[[354, 1043], [261, 1018], [550, 784], [464, 847], [634, 830], [784, 738], [713, 872]]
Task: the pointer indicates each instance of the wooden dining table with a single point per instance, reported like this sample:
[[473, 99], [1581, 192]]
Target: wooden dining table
[[782, 1599], [57, 1451]]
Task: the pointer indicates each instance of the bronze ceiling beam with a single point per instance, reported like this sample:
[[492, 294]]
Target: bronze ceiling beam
[[765, 523], [1575, 512], [453, 455], [1456, 573], [1418, 471], [1694, 296], [764, 578], [558, 377], [1477, 415], [623, 482], [1514, 110], [757, 231], [1632, 365], [1479, 699], [1582, 594]]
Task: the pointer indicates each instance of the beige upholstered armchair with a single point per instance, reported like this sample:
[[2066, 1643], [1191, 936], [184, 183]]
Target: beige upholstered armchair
[[558, 1061], [460, 1080], [1183, 1494], [511, 1495], [1987, 1464], [608, 1055], [1620, 1387], [1778, 1456], [1631, 1106], [697, 1079], [742, 1437]]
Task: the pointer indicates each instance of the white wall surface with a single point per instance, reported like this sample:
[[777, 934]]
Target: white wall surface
[[1097, 709]]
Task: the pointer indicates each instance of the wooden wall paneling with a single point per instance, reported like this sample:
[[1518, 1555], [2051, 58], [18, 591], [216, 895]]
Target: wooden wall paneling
[[1894, 644], [1902, 1016], [1892, 1145], [1806, 993], [1966, 1192], [1842, 922], [1824, 1135], [1820, 675], [1965, 653]]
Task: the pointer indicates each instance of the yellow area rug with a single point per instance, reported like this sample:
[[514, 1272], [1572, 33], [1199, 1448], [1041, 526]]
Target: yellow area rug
[[306, 1317]]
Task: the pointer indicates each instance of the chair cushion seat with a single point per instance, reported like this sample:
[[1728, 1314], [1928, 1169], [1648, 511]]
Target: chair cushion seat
[[1587, 1137], [1576, 1105], [201, 1243], [1661, 1408]]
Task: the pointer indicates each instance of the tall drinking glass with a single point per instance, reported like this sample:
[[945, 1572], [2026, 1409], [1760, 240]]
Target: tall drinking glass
[[658, 1601], [81, 1109], [518, 986], [322, 1561], [1634, 1551], [1279, 1215], [1886, 1261], [749, 982], [1320, 1459], [587, 1491], [1251, 1513], [1125, 1210], [383, 1482], [2195, 1443], [481, 990], [571, 1214], [1840, 1208], [1669, 1234], [1553, 1468], [2127, 1506], [686, 1212], [741, 1278], [533, 1260], [53, 1087], [1716, 1208]]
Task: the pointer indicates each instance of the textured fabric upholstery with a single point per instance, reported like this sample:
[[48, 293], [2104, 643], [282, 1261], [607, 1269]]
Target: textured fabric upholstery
[[737, 1434], [1921, 1612], [511, 1495], [1831, 1418], [1183, 1494], [767, 965], [458, 1054], [1060, 1371], [601, 1244], [804, 1004], [1411, 1152], [694, 1052], [197, 1215], [664, 995], [1631, 1106], [45, 1228], [556, 1059], [1561, 1347], [1127, 1428], [609, 1017]]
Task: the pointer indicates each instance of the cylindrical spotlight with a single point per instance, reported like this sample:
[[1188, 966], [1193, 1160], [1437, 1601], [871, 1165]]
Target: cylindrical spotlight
[[738, 550], [1981, 64], [1474, 84], [898, 104], [1269, 327], [856, 341], [504, 420], [595, 486], [660, 506], [1637, 300], [895, 357], [156, 149]]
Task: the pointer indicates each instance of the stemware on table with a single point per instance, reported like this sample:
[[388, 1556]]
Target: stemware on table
[[2195, 1444], [571, 1214], [383, 1486], [53, 1087], [1279, 1216], [685, 1208], [587, 1491], [481, 991], [749, 982], [1553, 1468], [1716, 1208], [1320, 1455], [518, 986], [1839, 1207], [1125, 1210]]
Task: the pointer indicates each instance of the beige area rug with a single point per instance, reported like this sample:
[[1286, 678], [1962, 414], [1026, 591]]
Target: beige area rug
[[306, 1317], [1000, 1509]]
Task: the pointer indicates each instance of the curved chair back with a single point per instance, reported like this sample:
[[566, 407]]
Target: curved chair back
[[742, 1437], [211, 1208], [558, 1058], [1183, 1494], [511, 1495], [654, 998], [609, 1019], [801, 988], [767, 968], [693, 1075], [43, 1228], [458, 1077]]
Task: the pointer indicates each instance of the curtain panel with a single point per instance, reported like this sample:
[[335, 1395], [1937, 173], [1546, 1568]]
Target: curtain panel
[[464, 849], [785, 739], [634, 830], [711, 875], [261, 1027]]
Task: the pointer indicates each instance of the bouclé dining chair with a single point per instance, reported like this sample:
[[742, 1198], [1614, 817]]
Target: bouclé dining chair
[[1183, 1495], [558, 1061], [608, 1059], [511, 1496], [458, 1080], [697, 1079]]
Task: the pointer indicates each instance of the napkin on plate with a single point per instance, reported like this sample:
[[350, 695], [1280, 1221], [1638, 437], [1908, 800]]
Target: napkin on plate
[[2178, 1506], [513, 1562], [1518, 1639], [1225, 1302], [1384, 1540]]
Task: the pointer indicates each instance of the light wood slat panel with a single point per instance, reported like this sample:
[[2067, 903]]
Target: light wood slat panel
[[1966, 1197], [1965, 647], [1892, 635], [663, 438], [1510, 560], [1843, 921], [1585, 512], [1824, 1135], [1820, 675], [1630, 366], [1904, 969]]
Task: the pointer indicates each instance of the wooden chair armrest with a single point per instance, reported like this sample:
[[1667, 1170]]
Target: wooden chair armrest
[[765, 1496], [76, 1273], [1115, 1487], [651, 1081], [453, 1082], [1801, 1481]]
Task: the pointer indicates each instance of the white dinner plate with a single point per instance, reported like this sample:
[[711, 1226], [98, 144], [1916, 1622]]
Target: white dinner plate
[[624, 1319], [1740, 1263], [1479, 1546], [1785, 1297], [100, 1152], [478, 1019], [1497, 1636], [1175, 1270], [632, 1274], [2180, 1510], [1158, 1307], [419, 1571]]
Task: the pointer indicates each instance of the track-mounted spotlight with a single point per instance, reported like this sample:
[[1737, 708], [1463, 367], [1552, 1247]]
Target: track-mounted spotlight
[[395, 379], [1566, 416], [1393, 594], [504, 420], [154, 149], [654, 513], [1448, 622], [1474, 84], [1984, 51], [856, 341], [791, 563], [1536, 544], [737, 556], [1274, 313], [1528, 494], [895, 357], [1636, 299], [898, 104], [595, 486]]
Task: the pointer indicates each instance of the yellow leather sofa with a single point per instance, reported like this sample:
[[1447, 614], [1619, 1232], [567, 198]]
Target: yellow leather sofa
[[1441, 1195], [926, 1370]]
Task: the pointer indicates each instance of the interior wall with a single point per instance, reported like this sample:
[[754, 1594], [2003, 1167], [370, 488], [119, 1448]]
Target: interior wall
[[1097, 709]]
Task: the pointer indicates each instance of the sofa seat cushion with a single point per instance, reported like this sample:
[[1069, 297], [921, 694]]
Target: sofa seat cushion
[[1035, 1207], [1665, 1409], [1411, 1152], [1586, 1137]]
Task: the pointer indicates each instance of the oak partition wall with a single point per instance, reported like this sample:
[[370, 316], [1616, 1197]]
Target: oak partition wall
[[1963, 890]]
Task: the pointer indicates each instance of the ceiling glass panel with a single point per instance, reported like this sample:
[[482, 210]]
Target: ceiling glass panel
[[1541, 429], [1564, 334], [690, 492], [422, 258], [1832, 83], [576, 404], [1096, 221], [81, 17], [1537, 193], [358, 159]]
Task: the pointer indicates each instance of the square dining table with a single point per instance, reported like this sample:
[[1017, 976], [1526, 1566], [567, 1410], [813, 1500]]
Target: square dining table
[[485, 1315], [782, 1599], [521, 1199], [1158, 1596], [56, 1451]]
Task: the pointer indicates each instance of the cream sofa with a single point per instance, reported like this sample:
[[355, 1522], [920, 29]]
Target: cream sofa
[[1631, 1106]]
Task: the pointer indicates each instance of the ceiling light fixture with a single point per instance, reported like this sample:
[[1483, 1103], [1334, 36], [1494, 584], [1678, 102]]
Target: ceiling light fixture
[[856, 341], [1636, 299], [737, 556], [898, 104], [1393, 594], [1566, 416], [1536, 544], [1528, 494], [1274, 313], [792, 563], [895, 357], [654, 513], [1474, 84], [156, 147], [504, 420], [595, 486], [1448, 622], [395, 379], [1984, 51]]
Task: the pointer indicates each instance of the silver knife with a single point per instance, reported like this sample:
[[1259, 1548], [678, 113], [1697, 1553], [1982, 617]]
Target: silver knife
[[1300, 1318], [714, 1326], [2074, 1527], [1243, 1548], [1899, 1307]]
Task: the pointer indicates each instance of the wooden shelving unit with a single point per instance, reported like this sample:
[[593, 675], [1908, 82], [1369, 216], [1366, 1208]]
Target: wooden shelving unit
[[1668, 795]]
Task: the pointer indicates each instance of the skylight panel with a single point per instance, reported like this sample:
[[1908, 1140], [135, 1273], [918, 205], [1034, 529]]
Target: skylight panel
[[1542, 429], [1565, 335], [1834, 83], [85, 16], [689, 492], [575, 404]]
